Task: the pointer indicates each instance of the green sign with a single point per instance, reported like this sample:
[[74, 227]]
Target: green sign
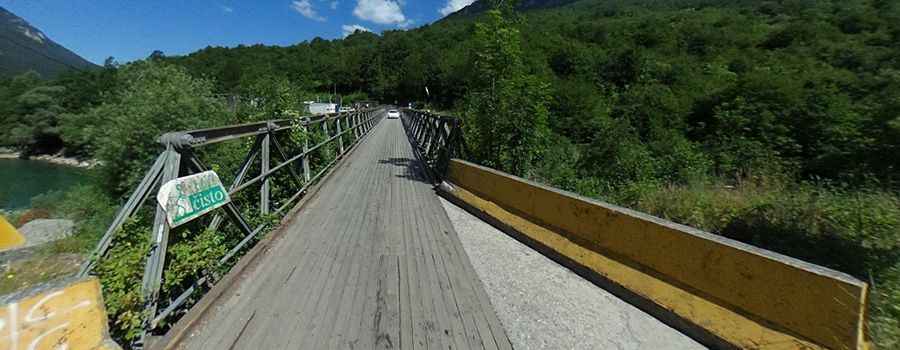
[[187, 198]]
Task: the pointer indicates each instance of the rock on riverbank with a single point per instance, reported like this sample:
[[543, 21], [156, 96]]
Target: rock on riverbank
[[43, 231], [58, 158]]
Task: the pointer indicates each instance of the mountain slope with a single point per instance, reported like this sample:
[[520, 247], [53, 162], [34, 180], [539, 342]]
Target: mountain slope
[[480, 6], [23, 48]]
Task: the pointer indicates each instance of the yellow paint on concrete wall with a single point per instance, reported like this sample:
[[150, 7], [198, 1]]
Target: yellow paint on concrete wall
[[71, 316], [9, 237], [747, 296]]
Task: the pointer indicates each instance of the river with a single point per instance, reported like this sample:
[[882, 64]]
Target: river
[[20, 180]]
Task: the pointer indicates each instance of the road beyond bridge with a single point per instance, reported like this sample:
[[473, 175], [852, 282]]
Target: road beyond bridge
[[373, 262]]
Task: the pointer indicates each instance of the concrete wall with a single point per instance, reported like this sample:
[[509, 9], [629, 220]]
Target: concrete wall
[[68, 315], [9, 237], [743, 295]]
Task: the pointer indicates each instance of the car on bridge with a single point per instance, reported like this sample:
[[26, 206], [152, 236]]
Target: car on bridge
[[393, 114]]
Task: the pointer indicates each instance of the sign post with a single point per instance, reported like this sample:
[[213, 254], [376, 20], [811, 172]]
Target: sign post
[[187, 198]]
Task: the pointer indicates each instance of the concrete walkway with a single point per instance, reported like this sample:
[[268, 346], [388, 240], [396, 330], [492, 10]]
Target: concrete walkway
[[543, 305]]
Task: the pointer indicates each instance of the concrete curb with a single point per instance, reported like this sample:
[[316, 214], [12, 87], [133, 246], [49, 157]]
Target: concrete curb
[[664, 315], [723, 293]]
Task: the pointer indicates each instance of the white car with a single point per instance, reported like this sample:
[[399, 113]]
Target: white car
[[393, 114]]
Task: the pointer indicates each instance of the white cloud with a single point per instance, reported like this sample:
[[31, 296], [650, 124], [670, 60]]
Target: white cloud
[[334, 5], [454, 5], [306, 9], [379, 11], [226, 9], [350, 29]]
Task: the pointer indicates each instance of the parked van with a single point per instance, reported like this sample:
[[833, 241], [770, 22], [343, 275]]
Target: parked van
[[319, 108]]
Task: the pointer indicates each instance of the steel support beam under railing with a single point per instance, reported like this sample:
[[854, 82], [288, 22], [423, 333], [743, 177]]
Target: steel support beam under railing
[[435, 138]]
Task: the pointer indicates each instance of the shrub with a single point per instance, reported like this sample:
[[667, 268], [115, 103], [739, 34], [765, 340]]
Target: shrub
[[884, 323], [92, 210], [87, 205], [857, 232], [120, 273]]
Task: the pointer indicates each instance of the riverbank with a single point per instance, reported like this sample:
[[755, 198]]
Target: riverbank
[[58, 158]]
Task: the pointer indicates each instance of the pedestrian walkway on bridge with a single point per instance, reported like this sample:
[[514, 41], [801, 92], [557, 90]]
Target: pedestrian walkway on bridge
[[373, 261]]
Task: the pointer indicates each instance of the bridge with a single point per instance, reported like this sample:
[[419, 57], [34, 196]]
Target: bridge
[[388, 240]]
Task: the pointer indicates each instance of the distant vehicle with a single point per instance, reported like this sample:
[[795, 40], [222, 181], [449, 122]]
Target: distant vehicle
[[393, 114], [366, 104], [346, 109], [319, 108]]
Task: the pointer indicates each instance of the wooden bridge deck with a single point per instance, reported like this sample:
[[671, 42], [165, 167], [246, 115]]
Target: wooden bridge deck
[[371, 262]]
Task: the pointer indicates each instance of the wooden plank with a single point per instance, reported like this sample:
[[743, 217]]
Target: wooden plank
[[345, 333], [456, 251], [387, 314], [305, 332], [445, 290], [372, 262], [431, 319], [418, 336], [363, 256], [439, 320], [366, 332], [338, 288], [355, 318], [325, 242]]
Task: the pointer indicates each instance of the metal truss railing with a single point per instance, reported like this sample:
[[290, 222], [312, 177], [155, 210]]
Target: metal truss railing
[[435, 138], [181, 156]]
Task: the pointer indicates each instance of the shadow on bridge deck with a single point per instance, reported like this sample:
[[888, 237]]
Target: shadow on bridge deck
[[371, 262]]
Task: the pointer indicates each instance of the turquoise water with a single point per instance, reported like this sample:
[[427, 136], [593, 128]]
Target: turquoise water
[[20, 180]]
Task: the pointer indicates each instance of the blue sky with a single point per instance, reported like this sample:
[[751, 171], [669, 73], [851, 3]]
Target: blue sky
[[129, 30]]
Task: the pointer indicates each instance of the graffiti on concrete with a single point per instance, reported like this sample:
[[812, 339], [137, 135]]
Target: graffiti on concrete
[[67, 317]]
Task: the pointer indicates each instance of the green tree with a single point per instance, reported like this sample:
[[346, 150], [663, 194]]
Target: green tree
[[36, 129], [152, 98], [10, 90], [275, 97], [507, 110]]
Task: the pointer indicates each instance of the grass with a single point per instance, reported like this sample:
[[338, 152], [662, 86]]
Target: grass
[[89, 208], [52, 261]]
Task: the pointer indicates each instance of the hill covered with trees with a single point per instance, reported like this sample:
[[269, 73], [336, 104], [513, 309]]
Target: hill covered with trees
[[804, 87], [771, 122]]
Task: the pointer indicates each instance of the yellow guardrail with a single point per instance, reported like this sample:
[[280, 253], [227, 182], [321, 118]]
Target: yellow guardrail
[[730, 293]]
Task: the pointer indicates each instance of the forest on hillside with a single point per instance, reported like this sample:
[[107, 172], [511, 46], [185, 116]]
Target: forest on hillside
[[772, 122]]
